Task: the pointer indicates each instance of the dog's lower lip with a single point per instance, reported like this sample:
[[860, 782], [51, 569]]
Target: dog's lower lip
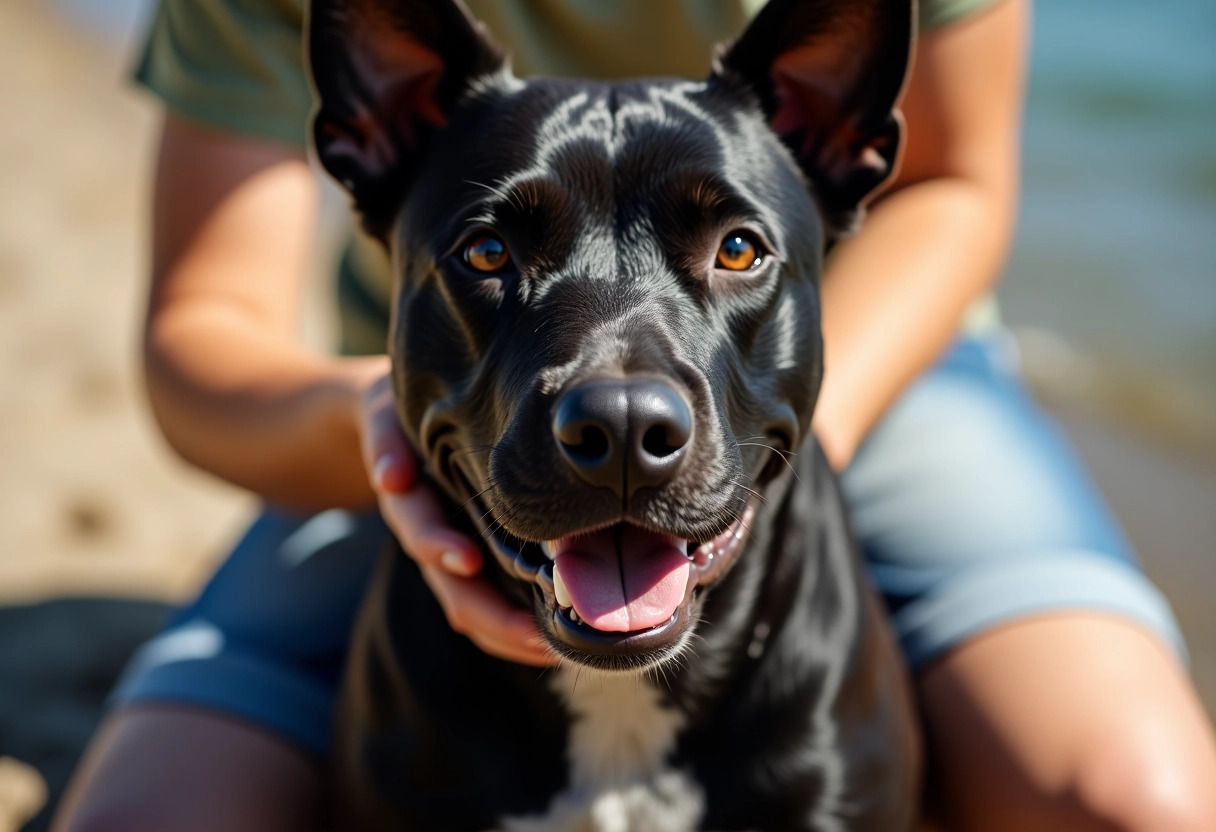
[[572, 617], [589, 640]]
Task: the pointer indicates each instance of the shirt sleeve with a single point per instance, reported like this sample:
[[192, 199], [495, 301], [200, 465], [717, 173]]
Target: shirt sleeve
[[937, 13], [231, 64]]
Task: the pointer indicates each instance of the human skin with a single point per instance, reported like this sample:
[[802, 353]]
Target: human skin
[[1068, 721]]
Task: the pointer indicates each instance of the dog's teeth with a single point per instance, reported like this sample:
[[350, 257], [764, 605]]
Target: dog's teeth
[[549, 547], [559, 589], [574, 615]]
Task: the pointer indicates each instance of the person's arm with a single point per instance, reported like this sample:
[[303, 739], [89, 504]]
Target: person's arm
[[231, 387], [894, 295], [236, 393]]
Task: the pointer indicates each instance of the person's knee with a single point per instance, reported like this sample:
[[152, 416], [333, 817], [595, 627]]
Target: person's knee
[[1134, 787], [139, 775]]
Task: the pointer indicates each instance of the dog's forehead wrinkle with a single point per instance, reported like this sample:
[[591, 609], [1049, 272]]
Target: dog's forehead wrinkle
[[592, 135], [659, 100], [583, 116]]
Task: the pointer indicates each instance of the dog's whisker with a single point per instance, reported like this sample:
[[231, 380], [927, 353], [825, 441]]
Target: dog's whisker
[[748, 443], [476, 496], [784, 455], [751, 491], [497, 191]]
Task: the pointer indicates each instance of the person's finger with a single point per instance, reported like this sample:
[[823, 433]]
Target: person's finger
[[386, 453], [426, 533], [477, 610], [415, 516]]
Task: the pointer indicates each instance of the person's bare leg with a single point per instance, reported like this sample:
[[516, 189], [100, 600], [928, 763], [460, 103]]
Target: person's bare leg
[[176, 769], [1071, 722]]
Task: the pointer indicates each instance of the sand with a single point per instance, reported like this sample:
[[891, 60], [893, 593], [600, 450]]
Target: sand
[[92, 503], [90, 500], [102, 524]]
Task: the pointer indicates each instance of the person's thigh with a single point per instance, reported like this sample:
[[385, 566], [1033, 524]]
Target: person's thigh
[[1068, 721], [1049, 668], [153, 768]]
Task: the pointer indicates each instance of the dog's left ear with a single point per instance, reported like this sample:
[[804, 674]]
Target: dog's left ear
[[386, 74], [828, 74]]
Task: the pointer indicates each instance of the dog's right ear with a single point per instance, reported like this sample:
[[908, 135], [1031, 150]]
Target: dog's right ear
[[386, 74]]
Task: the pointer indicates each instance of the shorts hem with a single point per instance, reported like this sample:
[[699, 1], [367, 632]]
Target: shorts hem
[[235, 684], [986, 595]]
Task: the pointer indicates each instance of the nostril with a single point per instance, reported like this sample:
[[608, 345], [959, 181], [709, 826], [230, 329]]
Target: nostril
[[592, 445], [657, 443], [622, 434]]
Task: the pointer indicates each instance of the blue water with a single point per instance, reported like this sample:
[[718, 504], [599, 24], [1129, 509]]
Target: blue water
[[1117, 242], [1116, 252]]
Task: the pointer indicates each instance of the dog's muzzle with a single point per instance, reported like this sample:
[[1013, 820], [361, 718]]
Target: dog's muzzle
[[612, 587]]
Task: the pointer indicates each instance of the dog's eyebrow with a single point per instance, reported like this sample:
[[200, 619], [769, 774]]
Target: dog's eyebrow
[[711, 195], [539, 213], [522, 196]]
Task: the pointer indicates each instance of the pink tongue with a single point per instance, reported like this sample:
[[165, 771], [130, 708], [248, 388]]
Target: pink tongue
[[638, 589]]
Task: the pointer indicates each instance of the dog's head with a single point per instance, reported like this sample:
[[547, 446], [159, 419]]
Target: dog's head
[[605, 319]]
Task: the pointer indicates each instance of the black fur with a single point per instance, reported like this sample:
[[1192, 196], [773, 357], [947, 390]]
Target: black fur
[[612, 200]]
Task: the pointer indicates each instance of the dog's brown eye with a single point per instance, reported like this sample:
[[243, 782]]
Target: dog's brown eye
[[487, 253], [739, 252]]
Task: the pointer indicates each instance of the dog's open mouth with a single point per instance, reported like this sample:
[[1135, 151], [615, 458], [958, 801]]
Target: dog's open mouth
[[619, 590], [626, 579]]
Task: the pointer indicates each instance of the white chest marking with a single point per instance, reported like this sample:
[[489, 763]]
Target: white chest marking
[[620, 740]]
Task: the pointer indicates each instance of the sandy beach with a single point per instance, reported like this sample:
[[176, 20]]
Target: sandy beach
[[95, 507], [92, 504]]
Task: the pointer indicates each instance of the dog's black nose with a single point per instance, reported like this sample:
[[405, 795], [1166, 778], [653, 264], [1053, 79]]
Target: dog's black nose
[[623, 434]]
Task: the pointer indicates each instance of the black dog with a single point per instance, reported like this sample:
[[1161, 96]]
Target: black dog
[[606, 345]]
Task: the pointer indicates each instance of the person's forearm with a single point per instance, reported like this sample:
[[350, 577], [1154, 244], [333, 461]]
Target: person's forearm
[[894, 296], [231, 387], [256, 410]]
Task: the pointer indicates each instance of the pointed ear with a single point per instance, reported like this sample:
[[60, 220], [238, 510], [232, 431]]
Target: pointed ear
[[386, 74], [828, 74]]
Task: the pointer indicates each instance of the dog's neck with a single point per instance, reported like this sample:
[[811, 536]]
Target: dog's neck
[[624, 727], [621, 728], [622, 733]]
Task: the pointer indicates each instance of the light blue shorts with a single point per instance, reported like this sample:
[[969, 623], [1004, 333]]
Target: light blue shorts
[[970, 507]]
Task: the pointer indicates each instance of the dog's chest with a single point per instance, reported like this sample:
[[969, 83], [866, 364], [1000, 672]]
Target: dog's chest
[[621, 739]]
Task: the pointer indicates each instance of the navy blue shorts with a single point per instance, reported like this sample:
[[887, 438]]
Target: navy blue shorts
[[970, 507]]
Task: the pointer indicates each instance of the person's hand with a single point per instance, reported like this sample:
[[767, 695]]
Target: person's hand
[[448, 559]]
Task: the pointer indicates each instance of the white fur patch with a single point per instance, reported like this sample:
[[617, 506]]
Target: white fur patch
[[620, 739]]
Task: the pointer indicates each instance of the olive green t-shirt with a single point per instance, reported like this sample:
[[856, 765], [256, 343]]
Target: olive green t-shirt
[[237, 65]]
